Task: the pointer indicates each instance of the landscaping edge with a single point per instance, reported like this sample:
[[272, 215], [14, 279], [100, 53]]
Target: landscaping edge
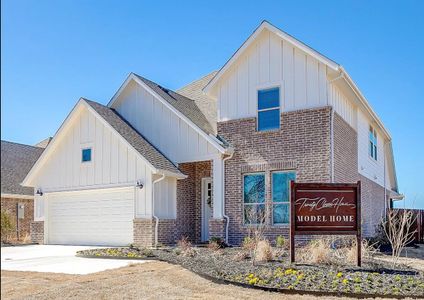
[[260, 287]]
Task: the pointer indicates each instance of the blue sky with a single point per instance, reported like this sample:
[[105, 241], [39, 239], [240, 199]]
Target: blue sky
[[53, 52]]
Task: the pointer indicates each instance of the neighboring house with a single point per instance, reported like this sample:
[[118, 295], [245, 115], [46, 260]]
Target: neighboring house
[[16, 161], [154, 165]]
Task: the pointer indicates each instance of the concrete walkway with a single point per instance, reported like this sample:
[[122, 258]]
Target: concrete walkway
[[56, 259]]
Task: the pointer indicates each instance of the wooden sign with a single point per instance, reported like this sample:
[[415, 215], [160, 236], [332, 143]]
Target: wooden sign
[[325, 208]]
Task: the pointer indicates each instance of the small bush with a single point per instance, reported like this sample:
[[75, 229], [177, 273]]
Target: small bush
[[7, 227], [216, 243], [280, 241], [240, 256], [248, 243], [263, 251], [184, 243], [317, 251]]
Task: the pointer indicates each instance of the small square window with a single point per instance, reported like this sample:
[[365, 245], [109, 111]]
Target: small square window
[[86, 155]]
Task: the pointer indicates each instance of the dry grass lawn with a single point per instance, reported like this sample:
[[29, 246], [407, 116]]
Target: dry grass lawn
[[152, 280]]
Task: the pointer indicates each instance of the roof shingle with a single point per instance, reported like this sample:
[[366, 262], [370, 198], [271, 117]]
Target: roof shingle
[[16, 161], [135, 139]]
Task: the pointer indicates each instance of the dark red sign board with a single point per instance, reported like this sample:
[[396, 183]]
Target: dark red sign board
[[325, 208]]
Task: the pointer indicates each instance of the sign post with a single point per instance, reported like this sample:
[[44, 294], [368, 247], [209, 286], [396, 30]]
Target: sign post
[[325, 209]]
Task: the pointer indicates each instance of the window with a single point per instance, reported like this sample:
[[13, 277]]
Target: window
[[373, 143], [281, 196], [254, 198], [86, 155], [269, 109]]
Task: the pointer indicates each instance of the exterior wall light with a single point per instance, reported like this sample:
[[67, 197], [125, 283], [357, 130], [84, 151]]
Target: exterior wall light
[[39, 192], [139, 184]]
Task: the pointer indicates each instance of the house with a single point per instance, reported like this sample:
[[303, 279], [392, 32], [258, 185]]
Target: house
[[16, 161], [215, 156]]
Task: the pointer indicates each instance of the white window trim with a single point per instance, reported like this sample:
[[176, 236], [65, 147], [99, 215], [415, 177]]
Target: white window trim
[[272, 198], [85, 147], [256, 203], [374, 132], [264, 88]]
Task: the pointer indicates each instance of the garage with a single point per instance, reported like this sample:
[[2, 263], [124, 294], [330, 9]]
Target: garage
[[95, 217]]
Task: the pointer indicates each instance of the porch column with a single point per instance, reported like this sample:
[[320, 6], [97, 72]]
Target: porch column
[[217, 175]]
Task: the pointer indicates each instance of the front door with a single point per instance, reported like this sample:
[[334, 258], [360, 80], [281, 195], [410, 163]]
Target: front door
[[207, 203]]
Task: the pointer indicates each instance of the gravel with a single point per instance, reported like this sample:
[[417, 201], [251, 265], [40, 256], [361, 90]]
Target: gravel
[[373, 278]]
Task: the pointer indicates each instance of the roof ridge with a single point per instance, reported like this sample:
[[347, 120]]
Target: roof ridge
[[197, 80], [21, 144]]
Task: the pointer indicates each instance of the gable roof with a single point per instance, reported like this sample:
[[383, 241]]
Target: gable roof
[[146, 151], [16, 161], [265, 25], [135, 139], [185, 105], [206, 104]]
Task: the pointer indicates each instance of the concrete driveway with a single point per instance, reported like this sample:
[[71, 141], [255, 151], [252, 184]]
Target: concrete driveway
[[56, 259]]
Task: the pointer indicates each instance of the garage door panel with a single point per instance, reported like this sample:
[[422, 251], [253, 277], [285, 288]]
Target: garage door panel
[[102, 217]]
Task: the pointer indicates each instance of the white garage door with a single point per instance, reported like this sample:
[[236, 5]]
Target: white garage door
[[96, 217]]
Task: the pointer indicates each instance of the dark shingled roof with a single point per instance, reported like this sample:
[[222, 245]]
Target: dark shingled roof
[[186, 106], [206, 105], [135, 139], [16, 161]]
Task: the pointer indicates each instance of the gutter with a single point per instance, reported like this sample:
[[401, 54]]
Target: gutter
[[227, 218], [153, 208]]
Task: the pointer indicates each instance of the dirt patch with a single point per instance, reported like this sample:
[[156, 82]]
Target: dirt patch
[[153, 280]]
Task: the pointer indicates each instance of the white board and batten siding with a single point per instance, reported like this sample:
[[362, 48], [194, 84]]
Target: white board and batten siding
[[176, 139], [271, 62], [113, 163]]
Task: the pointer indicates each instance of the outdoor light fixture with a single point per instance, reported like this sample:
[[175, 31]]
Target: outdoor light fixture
[[139, 184], [39, 192]]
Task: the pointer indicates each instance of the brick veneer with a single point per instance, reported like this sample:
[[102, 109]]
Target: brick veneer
[[372, 205], [189, 199], [10, 206], [144, 232], [345, 151], [301, 144], [37, 232]]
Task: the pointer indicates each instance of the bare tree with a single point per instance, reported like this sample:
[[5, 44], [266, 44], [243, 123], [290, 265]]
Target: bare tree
[[256, 219], [398, 229]]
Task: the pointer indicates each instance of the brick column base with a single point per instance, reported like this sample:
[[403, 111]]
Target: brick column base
[[217, 228], [37, 232], [144, 232]]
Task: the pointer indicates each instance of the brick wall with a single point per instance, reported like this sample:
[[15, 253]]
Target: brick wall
[[301, 144], [37, 232], [144, 232], [189, 199], [10, 206], [345, 151], [372, 205]]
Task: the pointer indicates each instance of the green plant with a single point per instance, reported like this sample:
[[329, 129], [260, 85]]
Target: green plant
[[7, 226], [280, 241], [217, 242]]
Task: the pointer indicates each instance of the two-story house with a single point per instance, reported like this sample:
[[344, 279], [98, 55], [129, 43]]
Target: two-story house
[[215, 156]]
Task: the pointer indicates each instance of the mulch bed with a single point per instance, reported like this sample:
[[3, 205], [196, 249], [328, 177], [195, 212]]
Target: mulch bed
[[372, 279]]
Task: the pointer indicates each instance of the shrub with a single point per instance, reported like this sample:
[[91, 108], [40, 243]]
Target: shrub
[[186, 249], [240, 256], [263, 251], [317, 251], [280, 241], [7, 226], [216, 243], [248, 243], [184, 243]]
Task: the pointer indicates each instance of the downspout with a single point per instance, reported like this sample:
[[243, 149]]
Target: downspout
[[227, 219], [153, 208], [332, 144], [384, 179]]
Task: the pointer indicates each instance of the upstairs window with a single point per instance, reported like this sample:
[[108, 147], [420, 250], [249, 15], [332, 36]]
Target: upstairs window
[[372, 149], [268, 109], [86, 155]]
